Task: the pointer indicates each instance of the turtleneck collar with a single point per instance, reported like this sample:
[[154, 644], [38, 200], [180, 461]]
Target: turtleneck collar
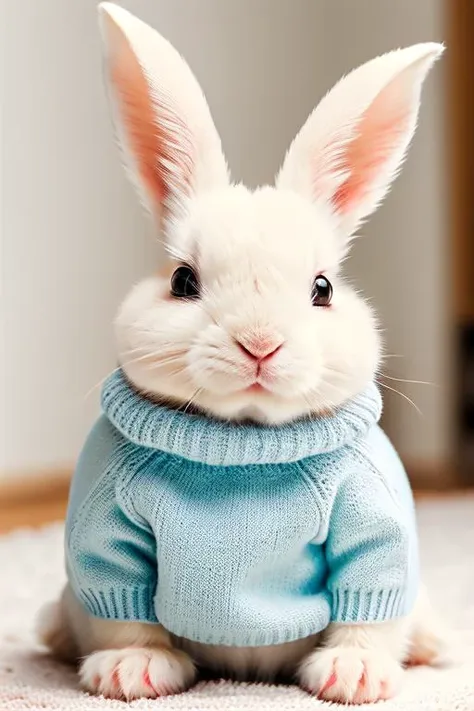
[[214, 442]]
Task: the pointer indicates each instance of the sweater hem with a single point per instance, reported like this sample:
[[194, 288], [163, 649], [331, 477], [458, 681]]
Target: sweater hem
[[257, 638]]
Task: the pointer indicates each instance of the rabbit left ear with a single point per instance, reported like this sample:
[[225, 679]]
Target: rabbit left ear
[[169, 142], [352, 145]]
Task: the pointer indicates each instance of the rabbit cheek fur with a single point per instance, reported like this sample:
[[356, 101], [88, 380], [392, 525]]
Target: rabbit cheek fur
[[256, 255], [189, 352]]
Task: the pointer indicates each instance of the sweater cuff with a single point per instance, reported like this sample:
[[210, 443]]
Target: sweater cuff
[[128, 604], [354, 606]]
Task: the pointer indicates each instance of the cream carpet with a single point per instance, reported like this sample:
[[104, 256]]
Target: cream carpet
[[31, 572]]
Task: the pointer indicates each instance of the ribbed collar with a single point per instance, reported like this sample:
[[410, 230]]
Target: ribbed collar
[[209, 441]]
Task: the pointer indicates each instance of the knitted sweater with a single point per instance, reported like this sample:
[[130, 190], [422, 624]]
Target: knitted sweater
[[240, 534]]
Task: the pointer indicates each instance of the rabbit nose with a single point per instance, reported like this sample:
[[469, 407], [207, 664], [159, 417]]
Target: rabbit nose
[[259, 349]]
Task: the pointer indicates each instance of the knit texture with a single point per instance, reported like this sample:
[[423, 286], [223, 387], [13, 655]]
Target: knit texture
[[32, 568], [240, 534]]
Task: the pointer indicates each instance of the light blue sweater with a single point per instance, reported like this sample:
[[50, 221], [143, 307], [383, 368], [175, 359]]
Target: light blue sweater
[[240, 534]]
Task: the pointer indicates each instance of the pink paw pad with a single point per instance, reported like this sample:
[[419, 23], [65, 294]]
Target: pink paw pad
[[384, 690]]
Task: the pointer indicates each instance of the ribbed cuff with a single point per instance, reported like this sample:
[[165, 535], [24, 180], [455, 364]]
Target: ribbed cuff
[[128, 604], [368, 605]]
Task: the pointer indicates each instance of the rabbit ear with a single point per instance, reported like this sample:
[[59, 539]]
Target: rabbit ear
[[169, 142], [352, 145]]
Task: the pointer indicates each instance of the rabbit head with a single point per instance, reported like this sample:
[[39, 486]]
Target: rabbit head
[[249, 317]]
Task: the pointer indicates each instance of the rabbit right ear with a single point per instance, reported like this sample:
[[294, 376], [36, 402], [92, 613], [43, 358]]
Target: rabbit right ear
[[169, 142]]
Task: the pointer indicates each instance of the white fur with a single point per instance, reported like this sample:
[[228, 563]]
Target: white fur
[[173, 86], [256, 255], [313, 164], [134, 672], [252, 285], [117, 654]]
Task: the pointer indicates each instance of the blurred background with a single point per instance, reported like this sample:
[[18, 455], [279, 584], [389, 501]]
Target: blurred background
[[74, 238]]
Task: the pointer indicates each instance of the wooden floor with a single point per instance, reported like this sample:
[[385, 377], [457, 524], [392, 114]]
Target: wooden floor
[[34, 502]]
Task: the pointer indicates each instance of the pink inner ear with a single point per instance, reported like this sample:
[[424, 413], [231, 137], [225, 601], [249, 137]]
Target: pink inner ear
[[380, 132], [163, 157]]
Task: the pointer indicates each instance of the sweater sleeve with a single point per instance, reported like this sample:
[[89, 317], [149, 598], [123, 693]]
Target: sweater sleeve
[[371, 551], [110, 552]]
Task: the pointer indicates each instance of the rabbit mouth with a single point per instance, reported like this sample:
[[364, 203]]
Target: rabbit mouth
[[256, 388]]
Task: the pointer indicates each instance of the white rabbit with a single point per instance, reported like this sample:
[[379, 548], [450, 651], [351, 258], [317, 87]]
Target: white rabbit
[[253, 256]]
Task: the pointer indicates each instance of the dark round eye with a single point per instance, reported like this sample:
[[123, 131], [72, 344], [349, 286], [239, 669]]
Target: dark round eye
[[321, 293], [184, 283]]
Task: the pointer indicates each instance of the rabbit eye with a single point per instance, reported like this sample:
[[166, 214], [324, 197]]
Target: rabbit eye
[[321, 293], [184, 283]]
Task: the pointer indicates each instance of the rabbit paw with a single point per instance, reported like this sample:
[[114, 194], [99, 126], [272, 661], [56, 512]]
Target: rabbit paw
[[135, 672], [350, 674]]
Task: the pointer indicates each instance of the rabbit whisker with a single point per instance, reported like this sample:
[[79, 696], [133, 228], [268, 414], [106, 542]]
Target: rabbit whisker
[[405, 397]]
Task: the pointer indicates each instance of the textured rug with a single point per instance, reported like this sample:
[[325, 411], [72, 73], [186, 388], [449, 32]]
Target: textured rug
[[31, 572]]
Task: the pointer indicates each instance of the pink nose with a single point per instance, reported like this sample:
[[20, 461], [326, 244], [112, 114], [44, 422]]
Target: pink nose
[[260, 350]]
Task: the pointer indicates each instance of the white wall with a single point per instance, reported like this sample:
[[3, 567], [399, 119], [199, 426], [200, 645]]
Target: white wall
[[402, 261], [74, 238]]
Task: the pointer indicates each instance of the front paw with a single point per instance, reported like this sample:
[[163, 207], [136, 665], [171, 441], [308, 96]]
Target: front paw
[[350, 674], [135, 672]]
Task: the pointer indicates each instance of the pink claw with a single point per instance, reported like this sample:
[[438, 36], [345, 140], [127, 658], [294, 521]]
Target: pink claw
[[147, 681], [115, 678], [330, 682]]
